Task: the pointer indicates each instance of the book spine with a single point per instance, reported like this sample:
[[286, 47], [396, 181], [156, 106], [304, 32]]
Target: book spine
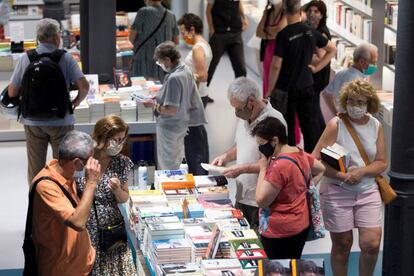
[[342, 165]]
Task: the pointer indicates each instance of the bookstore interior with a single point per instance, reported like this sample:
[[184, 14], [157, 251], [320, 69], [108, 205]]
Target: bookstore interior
[[185, 224]]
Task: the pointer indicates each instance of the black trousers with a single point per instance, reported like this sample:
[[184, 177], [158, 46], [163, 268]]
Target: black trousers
[[232, 43], [302, 102], [285, 248], [196, 149], [251, 213]]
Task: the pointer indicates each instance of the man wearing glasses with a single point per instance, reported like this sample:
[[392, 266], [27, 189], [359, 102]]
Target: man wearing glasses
[[62, 243]]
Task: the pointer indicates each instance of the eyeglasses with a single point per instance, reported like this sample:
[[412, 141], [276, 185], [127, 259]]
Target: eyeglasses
[[356, 103], [118, 141]]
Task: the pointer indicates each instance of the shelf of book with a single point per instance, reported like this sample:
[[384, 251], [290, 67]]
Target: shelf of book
[[11, 135], [340, 31], [25, 17], [27, 3], [358, 6], [390, 66], [391, 28]]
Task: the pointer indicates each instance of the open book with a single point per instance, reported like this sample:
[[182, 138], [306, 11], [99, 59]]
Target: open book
[[336, 156]]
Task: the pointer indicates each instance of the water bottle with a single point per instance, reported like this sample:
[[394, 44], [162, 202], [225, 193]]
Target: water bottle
[[142, 176], [184, 165]]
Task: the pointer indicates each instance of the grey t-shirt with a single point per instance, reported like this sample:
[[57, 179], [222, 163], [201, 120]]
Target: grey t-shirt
[[71, 72], [344, 76], [180, 90]]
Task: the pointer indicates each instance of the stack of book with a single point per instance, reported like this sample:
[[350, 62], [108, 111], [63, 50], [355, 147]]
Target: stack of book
[[210, 180], [179, 269], [144, 114], [96, 108], [112, 105], [174, 194], [246, 247], [81, 113], [221, 267], [170, 251], [213, 193], [391, 13], [128, 110], [173, 179], [336, 156], [152, 229]]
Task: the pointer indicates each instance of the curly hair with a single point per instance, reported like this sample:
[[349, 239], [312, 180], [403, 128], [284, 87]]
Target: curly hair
[[360, 88], [106, 128], [191, 20]]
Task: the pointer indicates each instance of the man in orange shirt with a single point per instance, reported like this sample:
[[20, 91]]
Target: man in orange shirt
[[63, 246]]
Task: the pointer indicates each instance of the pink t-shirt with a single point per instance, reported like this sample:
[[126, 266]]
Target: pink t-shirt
[[289, 213]]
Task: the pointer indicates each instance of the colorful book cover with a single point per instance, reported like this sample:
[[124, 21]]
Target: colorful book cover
[[276, 267], [246, 244], [241, 235], [214, 242], [251, 254], [308, 267]]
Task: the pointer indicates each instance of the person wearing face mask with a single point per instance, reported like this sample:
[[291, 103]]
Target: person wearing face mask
[[59, 233], [250, 107], [352, 199], [110, 134], [316, 17], [281, 190], [177, 107], [191, 29], [365, 58]]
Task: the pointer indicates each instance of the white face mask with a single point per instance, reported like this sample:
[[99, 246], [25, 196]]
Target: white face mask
[[275, 2], [356, 112], [114, 148], [162, 65]]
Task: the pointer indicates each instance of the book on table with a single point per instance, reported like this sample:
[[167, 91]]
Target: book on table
[[336, 156]]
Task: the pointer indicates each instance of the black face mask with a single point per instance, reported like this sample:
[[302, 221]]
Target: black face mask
[[267, 149]]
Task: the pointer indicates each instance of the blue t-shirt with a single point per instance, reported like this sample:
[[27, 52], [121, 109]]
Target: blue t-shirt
[[71, 72]]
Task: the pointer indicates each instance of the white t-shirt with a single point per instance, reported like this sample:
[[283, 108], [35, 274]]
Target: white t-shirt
[[248, 152], [344, 76], [208, 54]]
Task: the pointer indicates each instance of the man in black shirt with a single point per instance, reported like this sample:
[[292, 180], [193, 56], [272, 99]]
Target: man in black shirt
[[292, 71], [226, 21]]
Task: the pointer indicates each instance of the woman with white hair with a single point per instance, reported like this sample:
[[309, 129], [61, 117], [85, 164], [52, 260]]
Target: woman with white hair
[[176, 106]]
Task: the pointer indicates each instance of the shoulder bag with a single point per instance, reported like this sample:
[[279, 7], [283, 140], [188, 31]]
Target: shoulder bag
[[29, 250], [387, 192], [316, 224], [110, 237]]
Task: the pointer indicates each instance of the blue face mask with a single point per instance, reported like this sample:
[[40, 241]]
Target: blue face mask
[[370, 70]]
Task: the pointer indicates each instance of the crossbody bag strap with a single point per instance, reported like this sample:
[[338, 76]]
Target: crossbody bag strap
[[96, 213], [355, 137], [151, 34], [297, 164], [29, 217]]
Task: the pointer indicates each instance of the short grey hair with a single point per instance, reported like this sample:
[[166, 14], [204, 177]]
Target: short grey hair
[[292, 6], [169, 50], [75, 144], [363, 51], [242, 87], [47, 29]]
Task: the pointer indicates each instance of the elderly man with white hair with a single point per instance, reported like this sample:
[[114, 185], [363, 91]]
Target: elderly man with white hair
[[40, 131], [251, 108], [364, 64]]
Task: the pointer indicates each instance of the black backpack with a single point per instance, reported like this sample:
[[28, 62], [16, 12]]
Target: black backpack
[[29, 250], [44, 93]]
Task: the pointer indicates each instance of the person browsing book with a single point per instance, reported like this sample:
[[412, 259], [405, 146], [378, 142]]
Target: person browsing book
[[351, 199], [281, 190], [249, 106], [110, 134], [176, 106]]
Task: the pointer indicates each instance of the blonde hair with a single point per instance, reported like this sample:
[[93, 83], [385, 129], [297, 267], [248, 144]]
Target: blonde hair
[[360, 88], [108, 127]]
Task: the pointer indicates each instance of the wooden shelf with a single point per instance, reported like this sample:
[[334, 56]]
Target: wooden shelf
[[25, 17], [391, 28], [134, 128], [358, 6], [348, 36], [27, 3], [390, 66]]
